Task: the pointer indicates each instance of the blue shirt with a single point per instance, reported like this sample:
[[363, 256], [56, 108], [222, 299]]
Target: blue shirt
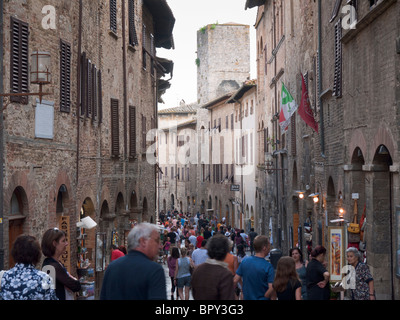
[[25, 282], [256, 274], [134, 277]]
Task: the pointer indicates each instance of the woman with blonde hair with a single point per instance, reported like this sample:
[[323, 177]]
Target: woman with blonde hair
[[182, 274], [287, 285]]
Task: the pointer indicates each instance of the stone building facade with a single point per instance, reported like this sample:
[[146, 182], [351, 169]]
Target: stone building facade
[[351, 162], [210, 168], [82, 151]]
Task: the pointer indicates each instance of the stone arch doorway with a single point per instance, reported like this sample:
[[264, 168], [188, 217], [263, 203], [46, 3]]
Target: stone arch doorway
[[106, 228], [88, 236], [380, 215], [136, 211], [16, 218], [172, 202], [146, 211]]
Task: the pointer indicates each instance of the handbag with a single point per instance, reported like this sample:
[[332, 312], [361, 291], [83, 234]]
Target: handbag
[[354, 227]]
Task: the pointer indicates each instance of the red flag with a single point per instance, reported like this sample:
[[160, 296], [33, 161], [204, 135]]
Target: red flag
[[305, 108]]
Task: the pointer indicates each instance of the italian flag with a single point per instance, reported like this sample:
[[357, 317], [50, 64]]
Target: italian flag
[[288, 107]]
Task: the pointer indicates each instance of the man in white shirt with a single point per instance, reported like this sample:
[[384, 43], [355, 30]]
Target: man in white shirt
[[200, 255]]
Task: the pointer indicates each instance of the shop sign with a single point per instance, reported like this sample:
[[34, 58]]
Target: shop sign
[[235, 187], [66, 256]]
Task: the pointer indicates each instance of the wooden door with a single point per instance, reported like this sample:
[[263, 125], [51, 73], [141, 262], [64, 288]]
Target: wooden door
[[14, 230]]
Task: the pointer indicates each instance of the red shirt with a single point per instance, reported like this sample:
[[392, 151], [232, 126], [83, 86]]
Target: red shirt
[[199, 241], [116, 254]]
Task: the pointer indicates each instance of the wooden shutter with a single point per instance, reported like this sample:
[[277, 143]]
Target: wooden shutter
[[335, 11], [113, 16], [132, 131], [89, 88], [19, 66], [83, 83], [143, 133], [65, 76], [337, 85], [99, 97], [94, 92], [114, 128], [132, 29]]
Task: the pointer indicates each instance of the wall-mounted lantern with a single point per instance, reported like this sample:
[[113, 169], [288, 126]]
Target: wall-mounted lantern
[[40, 74]]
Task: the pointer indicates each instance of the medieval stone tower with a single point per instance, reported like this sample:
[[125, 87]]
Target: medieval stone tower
[[223, 59]]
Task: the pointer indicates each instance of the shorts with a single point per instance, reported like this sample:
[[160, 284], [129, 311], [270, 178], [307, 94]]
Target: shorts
[[183, 282]]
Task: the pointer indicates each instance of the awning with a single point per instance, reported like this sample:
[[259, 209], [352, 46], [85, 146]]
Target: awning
[[164, 22], [167, 65], [254, 3]]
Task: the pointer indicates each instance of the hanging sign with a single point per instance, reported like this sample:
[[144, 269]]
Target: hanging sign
[[66, 256]]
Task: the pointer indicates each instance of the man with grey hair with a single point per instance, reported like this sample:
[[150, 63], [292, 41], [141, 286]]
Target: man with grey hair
[[136, 276]]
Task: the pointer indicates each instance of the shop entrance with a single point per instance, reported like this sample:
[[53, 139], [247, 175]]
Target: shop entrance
[[15, 220], [86, 259]]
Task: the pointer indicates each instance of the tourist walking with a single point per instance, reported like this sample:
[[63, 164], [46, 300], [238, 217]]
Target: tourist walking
[[212, 280], [136, 276], [364, 282], [54, 244], [200, 255], [317, 277], [252, 236], [24, 281], [301, 269], [171, 262], [255, 272], [182, 275], [287, 285]]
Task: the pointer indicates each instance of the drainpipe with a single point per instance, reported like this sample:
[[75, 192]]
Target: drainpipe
[[78, 90], [321, 111], [1, 136], [125, 156]]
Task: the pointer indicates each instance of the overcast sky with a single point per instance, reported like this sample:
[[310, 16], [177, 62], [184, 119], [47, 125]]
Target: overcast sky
[[190, 16]]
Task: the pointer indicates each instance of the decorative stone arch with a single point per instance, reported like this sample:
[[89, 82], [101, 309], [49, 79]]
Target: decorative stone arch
[[63, 196], [86, 191], [357, 141], [382, 137]]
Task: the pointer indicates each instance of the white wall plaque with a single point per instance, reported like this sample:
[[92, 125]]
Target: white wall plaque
[[44, 120]]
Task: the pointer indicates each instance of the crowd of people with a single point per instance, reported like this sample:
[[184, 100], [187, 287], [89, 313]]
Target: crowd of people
[[205, 258], [210, 247]]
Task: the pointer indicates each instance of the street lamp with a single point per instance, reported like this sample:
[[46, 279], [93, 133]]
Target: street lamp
[[315, 197], [40, 74], [300, 194]]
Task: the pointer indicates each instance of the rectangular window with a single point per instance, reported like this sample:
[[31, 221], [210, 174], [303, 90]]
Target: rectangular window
[[19, 66], [114, 127], [113, 16], [132, 131], [65, 76]]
